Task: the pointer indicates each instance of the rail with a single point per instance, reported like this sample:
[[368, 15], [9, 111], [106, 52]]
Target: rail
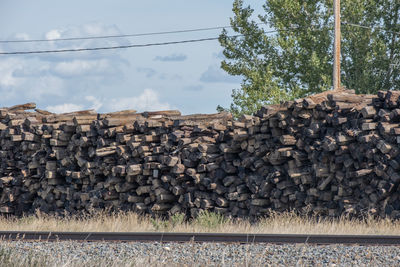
[[201, 237]]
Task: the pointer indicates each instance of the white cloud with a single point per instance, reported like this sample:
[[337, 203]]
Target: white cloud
[[96, 104], [94, 29], [149, 72], [86, 30], [53, 34], [22, 36], [44, 78], [44, 86], [7, 67], [80, 67], [63, 108], [171, 58], [25, 80], [28, 69], [194, 88], [90, 29], [147, 101]]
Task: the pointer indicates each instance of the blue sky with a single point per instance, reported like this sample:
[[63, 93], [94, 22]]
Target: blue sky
[[185, 76]]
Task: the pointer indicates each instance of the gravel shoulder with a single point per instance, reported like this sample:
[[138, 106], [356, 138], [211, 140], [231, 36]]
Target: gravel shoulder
[[21, 253]]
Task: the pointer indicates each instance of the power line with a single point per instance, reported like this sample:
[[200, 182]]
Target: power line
[[117, 36], [156, 33], [106, 48], [117, 47], [368, 27]]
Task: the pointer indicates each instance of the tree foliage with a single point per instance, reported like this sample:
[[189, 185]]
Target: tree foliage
[[296, 60]]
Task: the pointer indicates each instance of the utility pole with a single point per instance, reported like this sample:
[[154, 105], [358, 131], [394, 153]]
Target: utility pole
[[336, 46]]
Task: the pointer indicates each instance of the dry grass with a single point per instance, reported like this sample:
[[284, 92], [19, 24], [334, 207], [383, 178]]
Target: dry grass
[[11, 257], [277, 223]]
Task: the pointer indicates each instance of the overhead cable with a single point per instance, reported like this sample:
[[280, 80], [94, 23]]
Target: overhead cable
[[105, 48], [117, 36], [116, 47], [368, 27]]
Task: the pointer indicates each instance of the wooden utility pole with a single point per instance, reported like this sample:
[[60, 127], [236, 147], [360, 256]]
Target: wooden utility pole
[[336, 46]]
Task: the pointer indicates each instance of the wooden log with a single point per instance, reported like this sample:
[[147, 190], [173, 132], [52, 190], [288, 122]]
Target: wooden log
[[105, 151], [22, 107], [43, 112], [383, 146], [368, 112], [288, 140], [161, 207], [167, 113], [391, 99], [369, 126], [121, 120], [127, 112]]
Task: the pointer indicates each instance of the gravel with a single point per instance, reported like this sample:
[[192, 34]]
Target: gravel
[[193, 254]]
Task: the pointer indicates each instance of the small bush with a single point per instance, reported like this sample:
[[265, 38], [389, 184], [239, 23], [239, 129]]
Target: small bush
[[210, 220], [159, 224], [177, 219]]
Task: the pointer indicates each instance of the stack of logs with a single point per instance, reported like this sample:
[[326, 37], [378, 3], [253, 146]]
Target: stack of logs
[[334, 153]]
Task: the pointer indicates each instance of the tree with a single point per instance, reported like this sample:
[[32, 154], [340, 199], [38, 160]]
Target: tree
[[296, 59]]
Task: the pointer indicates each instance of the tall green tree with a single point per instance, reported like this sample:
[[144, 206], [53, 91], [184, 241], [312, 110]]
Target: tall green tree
[[286, 52]]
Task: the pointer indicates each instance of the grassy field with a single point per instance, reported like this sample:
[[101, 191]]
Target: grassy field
[[277, 223]]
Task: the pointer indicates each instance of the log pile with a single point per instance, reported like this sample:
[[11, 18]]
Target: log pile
[[334, 153]]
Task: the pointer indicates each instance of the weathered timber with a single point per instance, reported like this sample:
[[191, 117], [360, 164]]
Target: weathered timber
[[331, 154]]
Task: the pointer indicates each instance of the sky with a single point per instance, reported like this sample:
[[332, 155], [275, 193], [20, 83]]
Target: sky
[[186, 77]]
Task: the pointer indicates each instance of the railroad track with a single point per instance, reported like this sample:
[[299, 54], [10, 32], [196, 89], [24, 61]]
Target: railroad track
[[200, 237]]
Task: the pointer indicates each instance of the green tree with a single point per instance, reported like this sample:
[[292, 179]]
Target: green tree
[[295, 59]]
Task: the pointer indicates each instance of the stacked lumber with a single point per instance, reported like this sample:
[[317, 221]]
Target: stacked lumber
[[331, 154]]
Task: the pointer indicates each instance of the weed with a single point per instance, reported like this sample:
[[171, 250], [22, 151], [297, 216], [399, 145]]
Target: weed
[[176, 219], [210, 220], [206, 221], [159, 224]]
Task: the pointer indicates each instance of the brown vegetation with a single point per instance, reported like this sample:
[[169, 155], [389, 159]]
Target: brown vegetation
[[277, 223]]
